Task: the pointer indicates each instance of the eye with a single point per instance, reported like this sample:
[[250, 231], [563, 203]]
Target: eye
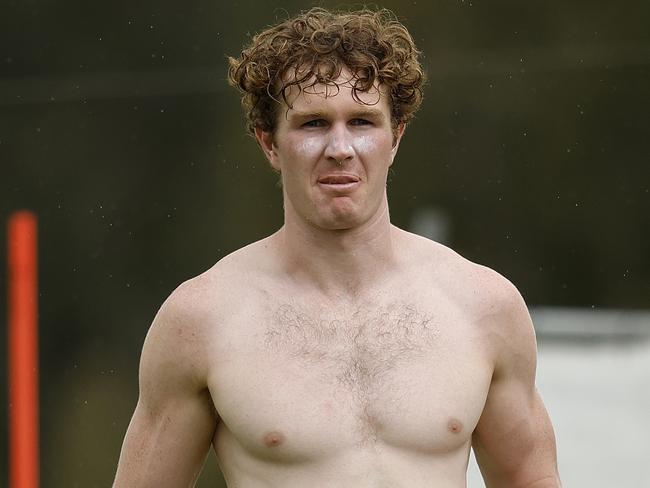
[[360, 122], [315, 123]]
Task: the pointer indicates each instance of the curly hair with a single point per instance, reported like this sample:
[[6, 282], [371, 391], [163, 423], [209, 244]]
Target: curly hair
[[314, 47]]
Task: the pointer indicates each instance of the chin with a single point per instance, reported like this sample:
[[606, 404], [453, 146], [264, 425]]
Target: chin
[[339, 222]]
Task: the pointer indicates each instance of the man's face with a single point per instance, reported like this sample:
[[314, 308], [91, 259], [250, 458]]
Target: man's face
[[333, 153]]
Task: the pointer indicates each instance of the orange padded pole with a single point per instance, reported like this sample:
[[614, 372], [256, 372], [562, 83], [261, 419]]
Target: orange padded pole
[[23, 351]]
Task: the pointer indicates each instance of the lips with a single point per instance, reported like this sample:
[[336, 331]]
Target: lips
[[338, 179]]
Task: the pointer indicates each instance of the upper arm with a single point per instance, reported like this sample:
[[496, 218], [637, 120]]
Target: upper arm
[[174, 420], [514, 441]]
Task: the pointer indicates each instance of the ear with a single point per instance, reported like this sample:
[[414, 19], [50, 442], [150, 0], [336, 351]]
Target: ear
[[265, 140], [399, 132]]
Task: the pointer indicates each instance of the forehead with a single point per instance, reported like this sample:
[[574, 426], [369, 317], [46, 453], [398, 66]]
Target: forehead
[[338, 95]]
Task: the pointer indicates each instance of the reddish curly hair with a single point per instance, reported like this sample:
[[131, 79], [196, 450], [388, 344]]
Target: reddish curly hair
[[314, 47]]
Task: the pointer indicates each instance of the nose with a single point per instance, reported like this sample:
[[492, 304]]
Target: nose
[[339, 146]]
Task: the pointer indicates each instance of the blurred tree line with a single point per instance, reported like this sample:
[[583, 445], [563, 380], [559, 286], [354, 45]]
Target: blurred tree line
[[118, 129]]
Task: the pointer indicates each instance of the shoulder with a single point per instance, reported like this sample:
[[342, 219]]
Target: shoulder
[[186, 320], [208, 292], [241, 267], [197, 306], [497, 311], [471, 282], [487, 298], [174, 346]]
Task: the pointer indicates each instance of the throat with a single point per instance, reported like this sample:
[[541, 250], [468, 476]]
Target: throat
[[339, 263]]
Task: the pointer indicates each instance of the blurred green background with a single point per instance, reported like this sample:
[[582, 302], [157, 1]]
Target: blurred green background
[[118, 129]]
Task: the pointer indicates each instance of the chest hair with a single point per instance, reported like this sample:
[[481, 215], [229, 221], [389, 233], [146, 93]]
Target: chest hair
[[355, 349]]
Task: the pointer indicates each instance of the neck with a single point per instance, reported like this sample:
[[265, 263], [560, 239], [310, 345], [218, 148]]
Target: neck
[[338, 261]]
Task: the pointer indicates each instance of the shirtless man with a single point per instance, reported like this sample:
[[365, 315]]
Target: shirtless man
[[340, 351]]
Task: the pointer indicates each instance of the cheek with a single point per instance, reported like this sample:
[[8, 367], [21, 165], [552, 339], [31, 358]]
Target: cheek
[[367, 145], [308, 148]]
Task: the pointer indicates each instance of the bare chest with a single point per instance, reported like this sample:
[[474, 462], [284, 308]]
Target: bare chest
[[354, 352], [309, 380]]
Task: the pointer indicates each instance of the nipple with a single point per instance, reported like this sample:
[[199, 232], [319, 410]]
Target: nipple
[[454, 426], [273, 439]]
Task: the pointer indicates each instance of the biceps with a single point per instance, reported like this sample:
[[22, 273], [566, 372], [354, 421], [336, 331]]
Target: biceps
[[514, 439], [166, 446]]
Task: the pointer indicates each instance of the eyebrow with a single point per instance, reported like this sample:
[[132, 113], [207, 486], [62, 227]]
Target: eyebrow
[[369, 113], [304, 115]]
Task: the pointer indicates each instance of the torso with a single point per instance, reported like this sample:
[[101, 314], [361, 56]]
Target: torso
[[382, 390]]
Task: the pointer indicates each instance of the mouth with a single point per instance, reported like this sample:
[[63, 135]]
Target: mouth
[[339, 181]]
